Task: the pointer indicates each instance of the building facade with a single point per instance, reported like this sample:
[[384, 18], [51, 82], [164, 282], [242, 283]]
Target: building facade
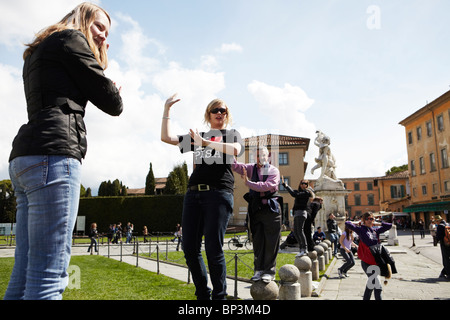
[[394, 191], [428, 139]]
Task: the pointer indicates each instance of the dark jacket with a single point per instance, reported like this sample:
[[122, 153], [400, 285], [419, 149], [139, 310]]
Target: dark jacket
[[332, 226], [60, 77], [383, 258]]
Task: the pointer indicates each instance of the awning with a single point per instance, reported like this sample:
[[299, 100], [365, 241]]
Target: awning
[[427, 207]]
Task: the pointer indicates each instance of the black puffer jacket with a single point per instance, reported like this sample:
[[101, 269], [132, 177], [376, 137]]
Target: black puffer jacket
[[60, 77]]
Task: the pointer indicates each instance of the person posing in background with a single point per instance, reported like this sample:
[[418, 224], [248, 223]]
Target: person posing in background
[[368, 237], [208, 203], [63, 70], [264, 212], [302, 196], [346, 242]]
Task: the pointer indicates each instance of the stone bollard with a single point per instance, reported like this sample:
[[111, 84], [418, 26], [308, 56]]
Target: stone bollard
[[303, 264], [320, 257], [315, 264], [264, 291], [290, 287], [392, 239], [324, 245], [330, 248]]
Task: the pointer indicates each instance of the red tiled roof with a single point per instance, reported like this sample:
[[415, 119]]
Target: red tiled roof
[[276, 140]]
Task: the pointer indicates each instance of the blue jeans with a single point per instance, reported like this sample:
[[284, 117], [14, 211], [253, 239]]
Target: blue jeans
[[47, 190], [349, 260], [206, 213]]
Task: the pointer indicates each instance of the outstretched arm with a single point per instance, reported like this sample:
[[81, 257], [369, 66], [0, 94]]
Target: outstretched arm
[[166, 134]]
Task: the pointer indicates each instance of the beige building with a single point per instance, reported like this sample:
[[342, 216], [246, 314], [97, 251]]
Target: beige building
[[428, 141], [394, 191], [287, 153]]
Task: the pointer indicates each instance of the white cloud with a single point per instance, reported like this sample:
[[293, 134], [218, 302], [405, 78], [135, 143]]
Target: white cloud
[[284, 107], [21, 19], [230, 47]]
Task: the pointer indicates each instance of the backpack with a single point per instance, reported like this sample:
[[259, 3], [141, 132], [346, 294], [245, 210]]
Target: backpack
[[447, 236]]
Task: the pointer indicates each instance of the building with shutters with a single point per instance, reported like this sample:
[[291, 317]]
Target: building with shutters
[[428, 140]]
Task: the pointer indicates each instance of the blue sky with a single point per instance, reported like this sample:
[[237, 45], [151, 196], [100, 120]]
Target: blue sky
[[350, 68]]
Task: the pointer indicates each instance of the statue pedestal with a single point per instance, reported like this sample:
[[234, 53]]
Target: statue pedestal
[[333, 195]]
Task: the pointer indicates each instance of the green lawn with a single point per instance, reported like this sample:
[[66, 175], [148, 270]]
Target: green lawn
[[101, 278], [107, 279]]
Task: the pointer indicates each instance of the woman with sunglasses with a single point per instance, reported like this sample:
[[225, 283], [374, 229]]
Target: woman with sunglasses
[[302, 196], [208, 203], [369, 237]]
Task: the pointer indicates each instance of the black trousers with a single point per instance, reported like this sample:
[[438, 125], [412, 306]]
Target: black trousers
[[265, 227]]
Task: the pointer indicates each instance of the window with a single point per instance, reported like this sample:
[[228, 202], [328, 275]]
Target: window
[[397, 191], [251, 157], [447, 186], [419, 133], [356, 186], [424, 190], [422, 165], [440, 122], [357, 200], [410, 138], [429, 129], [435, 188], [287, 181], [415, 192], [413, 168], [369, 186], [432, 162], [370, 200], [444, 158], [283, 158]]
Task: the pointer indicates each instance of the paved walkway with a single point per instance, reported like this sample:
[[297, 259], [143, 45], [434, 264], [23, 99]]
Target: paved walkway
[[417, 278]]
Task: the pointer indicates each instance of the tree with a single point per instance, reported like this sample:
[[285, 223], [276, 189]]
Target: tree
[[7, 201], [85, 193], [112, 189], [397, 169], [150, 183], [177, 180]]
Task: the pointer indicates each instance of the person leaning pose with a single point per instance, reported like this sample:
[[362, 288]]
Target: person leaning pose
[[368, 251], [264, 212], [302, 196], [63, 70], [208, 203]]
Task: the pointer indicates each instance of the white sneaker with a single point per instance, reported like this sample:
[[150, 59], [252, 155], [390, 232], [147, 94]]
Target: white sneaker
[[267, 277], [257, 276], [302, 253]]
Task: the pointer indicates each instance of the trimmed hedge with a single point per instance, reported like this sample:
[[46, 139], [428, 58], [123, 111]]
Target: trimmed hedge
[[159, 213]]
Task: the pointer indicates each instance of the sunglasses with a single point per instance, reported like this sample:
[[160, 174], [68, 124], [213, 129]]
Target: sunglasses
[[371, 219], [304, 183], [216, 110]]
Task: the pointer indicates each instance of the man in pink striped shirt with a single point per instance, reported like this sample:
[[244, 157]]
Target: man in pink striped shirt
[[264, 212]]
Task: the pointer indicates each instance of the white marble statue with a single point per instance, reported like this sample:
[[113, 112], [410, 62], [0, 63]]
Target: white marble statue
[[325, 161]]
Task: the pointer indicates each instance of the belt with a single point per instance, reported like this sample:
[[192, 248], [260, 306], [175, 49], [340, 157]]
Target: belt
[[201, 187]]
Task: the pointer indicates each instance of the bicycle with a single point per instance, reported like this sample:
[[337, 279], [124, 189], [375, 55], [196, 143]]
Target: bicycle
[[236, 243]]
